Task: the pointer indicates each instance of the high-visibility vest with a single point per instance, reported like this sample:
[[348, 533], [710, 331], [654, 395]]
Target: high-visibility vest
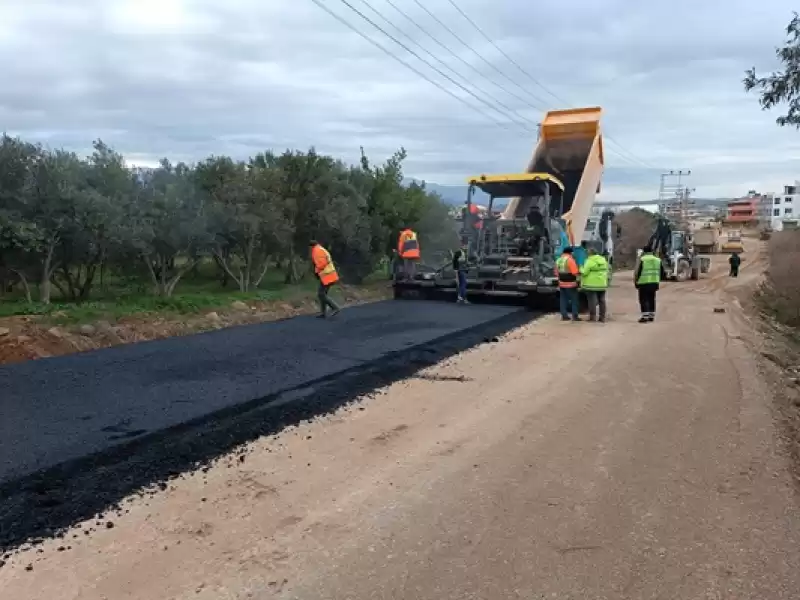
[[475, 212], [651, 270], [567, 271], [407, 245], [594, 274], [323, 265]]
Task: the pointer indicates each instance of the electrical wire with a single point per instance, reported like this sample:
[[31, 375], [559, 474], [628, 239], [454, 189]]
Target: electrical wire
[[620, 151], [418, 57], [410, 67], [444, 65], [461, 59]]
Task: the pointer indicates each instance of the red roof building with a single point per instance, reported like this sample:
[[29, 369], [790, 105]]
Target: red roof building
[[744, 210]]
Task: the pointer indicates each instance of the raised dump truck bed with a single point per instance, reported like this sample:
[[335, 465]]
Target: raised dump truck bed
[[513, 255], [570, 147]]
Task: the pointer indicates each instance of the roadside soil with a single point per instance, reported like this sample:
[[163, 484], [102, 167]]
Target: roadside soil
[[567, 460], [31, 337]]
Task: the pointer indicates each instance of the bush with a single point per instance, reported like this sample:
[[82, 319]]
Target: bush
[[781, 294]]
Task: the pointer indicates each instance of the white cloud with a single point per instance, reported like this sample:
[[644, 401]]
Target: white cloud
[[186, 78]]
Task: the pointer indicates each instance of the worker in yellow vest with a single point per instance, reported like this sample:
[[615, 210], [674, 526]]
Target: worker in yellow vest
[[408, 251], [325, 270], [594, 283], [648, 276]]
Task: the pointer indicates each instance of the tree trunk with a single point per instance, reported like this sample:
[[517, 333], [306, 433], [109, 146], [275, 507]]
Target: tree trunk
[[224, 265], [47, 274], [292, 275], [25, 287], [264, 268]]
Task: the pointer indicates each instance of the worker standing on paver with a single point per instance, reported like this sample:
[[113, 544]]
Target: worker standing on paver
[[734, 261], [594, 282], [325, 270], [408, 251], [648, 276], [461, 268], [568, 274]]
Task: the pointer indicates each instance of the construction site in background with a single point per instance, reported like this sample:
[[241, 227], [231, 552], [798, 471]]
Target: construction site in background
[[531, 217], [512, 243]]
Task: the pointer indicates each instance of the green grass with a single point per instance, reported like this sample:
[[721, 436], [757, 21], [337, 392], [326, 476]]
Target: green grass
[[117, 297], [121, 298]]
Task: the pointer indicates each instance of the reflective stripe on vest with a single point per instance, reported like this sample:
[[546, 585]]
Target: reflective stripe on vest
[[564, 276], [651, 270], [409, 242]]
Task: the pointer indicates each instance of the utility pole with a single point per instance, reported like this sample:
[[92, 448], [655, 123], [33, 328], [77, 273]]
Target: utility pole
[[673, 196]]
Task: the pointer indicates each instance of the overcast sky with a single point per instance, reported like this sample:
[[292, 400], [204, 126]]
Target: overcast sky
[[188, 78]]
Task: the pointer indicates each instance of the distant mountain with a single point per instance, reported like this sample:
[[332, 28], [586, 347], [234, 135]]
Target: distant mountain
[[456, 195]]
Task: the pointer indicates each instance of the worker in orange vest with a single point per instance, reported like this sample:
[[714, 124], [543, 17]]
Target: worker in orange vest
[[408, 251], [326, 271], [567, 273]]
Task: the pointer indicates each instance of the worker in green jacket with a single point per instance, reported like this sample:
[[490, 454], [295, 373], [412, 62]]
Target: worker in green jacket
[[594, 283], [649, 273]]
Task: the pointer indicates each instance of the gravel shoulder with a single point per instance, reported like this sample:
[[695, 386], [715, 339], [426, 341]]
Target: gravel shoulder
[[569, 460]]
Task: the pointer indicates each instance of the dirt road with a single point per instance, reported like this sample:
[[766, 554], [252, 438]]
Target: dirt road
[[569, 460]]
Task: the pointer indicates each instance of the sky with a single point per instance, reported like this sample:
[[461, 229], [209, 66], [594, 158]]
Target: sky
[[190, 78]]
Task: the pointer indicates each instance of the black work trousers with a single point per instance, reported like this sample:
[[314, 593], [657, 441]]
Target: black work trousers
[[326, 301], [647, 300], [734, 271]]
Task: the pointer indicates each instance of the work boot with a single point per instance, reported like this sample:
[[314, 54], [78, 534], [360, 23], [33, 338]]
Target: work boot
[[335, 312], [576, 319], [321, 316], [644, 320], [565, 318]]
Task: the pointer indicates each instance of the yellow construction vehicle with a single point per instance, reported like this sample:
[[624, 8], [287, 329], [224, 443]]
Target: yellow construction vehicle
[[512, 254]]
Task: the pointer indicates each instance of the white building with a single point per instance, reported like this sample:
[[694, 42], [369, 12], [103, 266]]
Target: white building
[[784, 207]]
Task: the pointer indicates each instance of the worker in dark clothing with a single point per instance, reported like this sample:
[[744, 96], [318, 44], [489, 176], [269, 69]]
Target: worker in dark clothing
[[734, 261], [460, 266], [535, 217], [537, 229], [649, 273]]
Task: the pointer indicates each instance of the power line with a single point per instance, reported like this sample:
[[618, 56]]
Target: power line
[[622, 152], [461, 58], [501, 51], [418, 57], [475, 52], [444, 65], [407, 65]]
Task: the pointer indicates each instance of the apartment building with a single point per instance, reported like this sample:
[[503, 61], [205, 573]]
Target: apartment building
[[784, 209], [744, 211]]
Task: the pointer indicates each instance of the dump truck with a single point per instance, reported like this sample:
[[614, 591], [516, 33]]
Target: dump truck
[[706, 240], [511, 255], [733, 241]]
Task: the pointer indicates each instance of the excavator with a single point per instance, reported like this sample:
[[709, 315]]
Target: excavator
[[676, 250], [512, 251]]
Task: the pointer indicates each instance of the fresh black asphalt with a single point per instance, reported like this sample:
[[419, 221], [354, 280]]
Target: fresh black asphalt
[[59, 409]]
